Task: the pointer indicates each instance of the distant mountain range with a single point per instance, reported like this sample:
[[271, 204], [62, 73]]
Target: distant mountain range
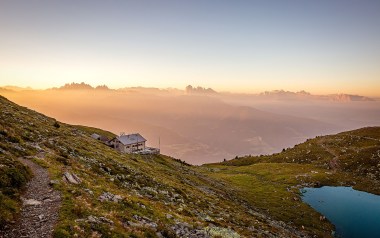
[[288, 95], [198, 90]]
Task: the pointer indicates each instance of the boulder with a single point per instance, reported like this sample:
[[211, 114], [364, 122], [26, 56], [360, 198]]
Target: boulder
[[71, 178]]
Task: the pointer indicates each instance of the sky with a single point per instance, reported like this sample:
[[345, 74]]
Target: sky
[[325, 46]]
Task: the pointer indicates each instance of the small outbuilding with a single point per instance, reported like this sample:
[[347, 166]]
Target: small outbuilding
[[95, 136], [103, 139]]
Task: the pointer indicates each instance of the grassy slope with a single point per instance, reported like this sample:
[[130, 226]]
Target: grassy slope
[[272, 182], [13, 175], [157, 190]]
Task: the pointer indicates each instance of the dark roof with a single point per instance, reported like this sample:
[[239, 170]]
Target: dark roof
[[131, 139]]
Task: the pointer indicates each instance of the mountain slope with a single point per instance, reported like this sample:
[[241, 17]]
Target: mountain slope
[[356, 152], [272, 183], [119, 195]]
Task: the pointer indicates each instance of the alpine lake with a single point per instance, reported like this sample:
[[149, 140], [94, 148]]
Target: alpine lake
[[354, 213]]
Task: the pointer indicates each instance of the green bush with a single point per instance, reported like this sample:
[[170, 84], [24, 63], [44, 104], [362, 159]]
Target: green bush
[[56, 125], [17, 178], [14, 139], [4, 133]]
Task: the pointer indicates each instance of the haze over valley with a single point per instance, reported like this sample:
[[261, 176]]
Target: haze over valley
[[201, 125]]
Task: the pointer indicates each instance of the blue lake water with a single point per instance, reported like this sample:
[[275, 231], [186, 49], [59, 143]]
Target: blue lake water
[[354, 213]]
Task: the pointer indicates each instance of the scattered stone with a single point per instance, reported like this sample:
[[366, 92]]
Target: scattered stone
[[107, 196], [72, 178], [99, 220], [89, 191], [143, 221], [215, 231], [52, 182], [208, 219], [31, 202], [183, 229]]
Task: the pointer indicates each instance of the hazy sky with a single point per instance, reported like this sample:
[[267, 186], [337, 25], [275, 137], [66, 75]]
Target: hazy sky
[[322, 46]]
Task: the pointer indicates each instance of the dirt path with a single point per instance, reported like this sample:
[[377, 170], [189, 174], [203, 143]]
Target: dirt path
[[40, 207]]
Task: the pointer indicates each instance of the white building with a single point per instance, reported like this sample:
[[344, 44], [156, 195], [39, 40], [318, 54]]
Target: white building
[[131, 143]]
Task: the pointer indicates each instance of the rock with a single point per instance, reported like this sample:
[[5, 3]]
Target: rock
[[106, 196], [150, 190], [92, 219], [106, 220], [208, 219], [215, 231], [32, 202], [89, 191], [52, 182], [143, 221], [183, 229], [72, 178], [99, 220]]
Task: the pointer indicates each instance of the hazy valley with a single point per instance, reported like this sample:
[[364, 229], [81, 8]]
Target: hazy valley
[[201, 126]]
